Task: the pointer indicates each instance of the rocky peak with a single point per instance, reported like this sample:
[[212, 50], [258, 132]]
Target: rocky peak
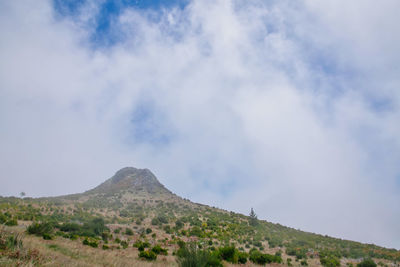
[[132, 179]]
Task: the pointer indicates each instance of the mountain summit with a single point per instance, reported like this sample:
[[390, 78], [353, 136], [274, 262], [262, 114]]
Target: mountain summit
[[132, 179]]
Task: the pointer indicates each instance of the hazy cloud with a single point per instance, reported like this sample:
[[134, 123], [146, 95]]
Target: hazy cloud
[[290, 108]]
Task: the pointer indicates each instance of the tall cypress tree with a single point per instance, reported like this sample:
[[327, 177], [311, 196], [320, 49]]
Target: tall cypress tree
[[253, 218]]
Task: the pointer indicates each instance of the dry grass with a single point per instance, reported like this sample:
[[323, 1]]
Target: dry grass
[[65, 252]]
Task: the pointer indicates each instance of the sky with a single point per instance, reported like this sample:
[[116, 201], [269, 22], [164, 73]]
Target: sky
[[289, 107]]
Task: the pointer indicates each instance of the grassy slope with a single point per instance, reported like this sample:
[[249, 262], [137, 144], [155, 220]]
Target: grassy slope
[[209, 227]]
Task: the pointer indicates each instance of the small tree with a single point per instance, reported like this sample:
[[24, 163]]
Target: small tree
[[253, 218], [22, 194]]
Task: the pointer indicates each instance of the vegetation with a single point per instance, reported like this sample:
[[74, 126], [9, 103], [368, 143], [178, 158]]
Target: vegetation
[[260, 258], [12, 251], [191, 256], [148, 255], [154, 224], [367, 263], [43, 229]]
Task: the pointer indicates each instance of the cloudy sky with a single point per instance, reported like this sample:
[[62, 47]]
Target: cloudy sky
[[290, 107]]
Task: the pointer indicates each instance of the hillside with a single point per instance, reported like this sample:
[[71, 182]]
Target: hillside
[[132, 220]]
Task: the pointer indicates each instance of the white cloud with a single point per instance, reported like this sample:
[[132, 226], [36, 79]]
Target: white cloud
[[275, 106]]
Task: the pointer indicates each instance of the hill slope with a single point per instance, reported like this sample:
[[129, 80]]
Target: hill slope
[[134, 208]]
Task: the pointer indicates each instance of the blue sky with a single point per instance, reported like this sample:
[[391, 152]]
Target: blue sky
[[284, 107], [102, 32]]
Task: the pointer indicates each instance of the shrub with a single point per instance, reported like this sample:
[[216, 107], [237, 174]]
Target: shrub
[[196, 231], [257, 244], [300, 253], [330, 261], [44, 229], [70, 227], [242, 257], [159, 250], [3, 218], [367, 263], [178, 224], [105, 237], [47, 236], [124, 244], [261, 258], [93, 228], [141, 245], [11, 222], [191, 256], [128, 231], [148, 255], [230, 254], [148, 230], [105, 247], [92, 243], [167, 229], [159, 220]]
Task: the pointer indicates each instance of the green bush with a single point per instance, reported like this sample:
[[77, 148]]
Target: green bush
[[257, 244], [196, 231], [159, 250], [148, 255], [261, 258], [128, 231], [229, 254], [94, 228], [3, 218], [44, 229], [367, 263], [167, 229], [179, 224], [159, 220], [124, 244], [92, 243], [191, 256], [47, 236], [70, 227], [300, 253], [11, 222], [141, 245], [242, 257], [329, 261]]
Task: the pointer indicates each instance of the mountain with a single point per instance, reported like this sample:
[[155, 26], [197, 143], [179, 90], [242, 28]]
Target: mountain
[[132, 210], [135, 180]]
